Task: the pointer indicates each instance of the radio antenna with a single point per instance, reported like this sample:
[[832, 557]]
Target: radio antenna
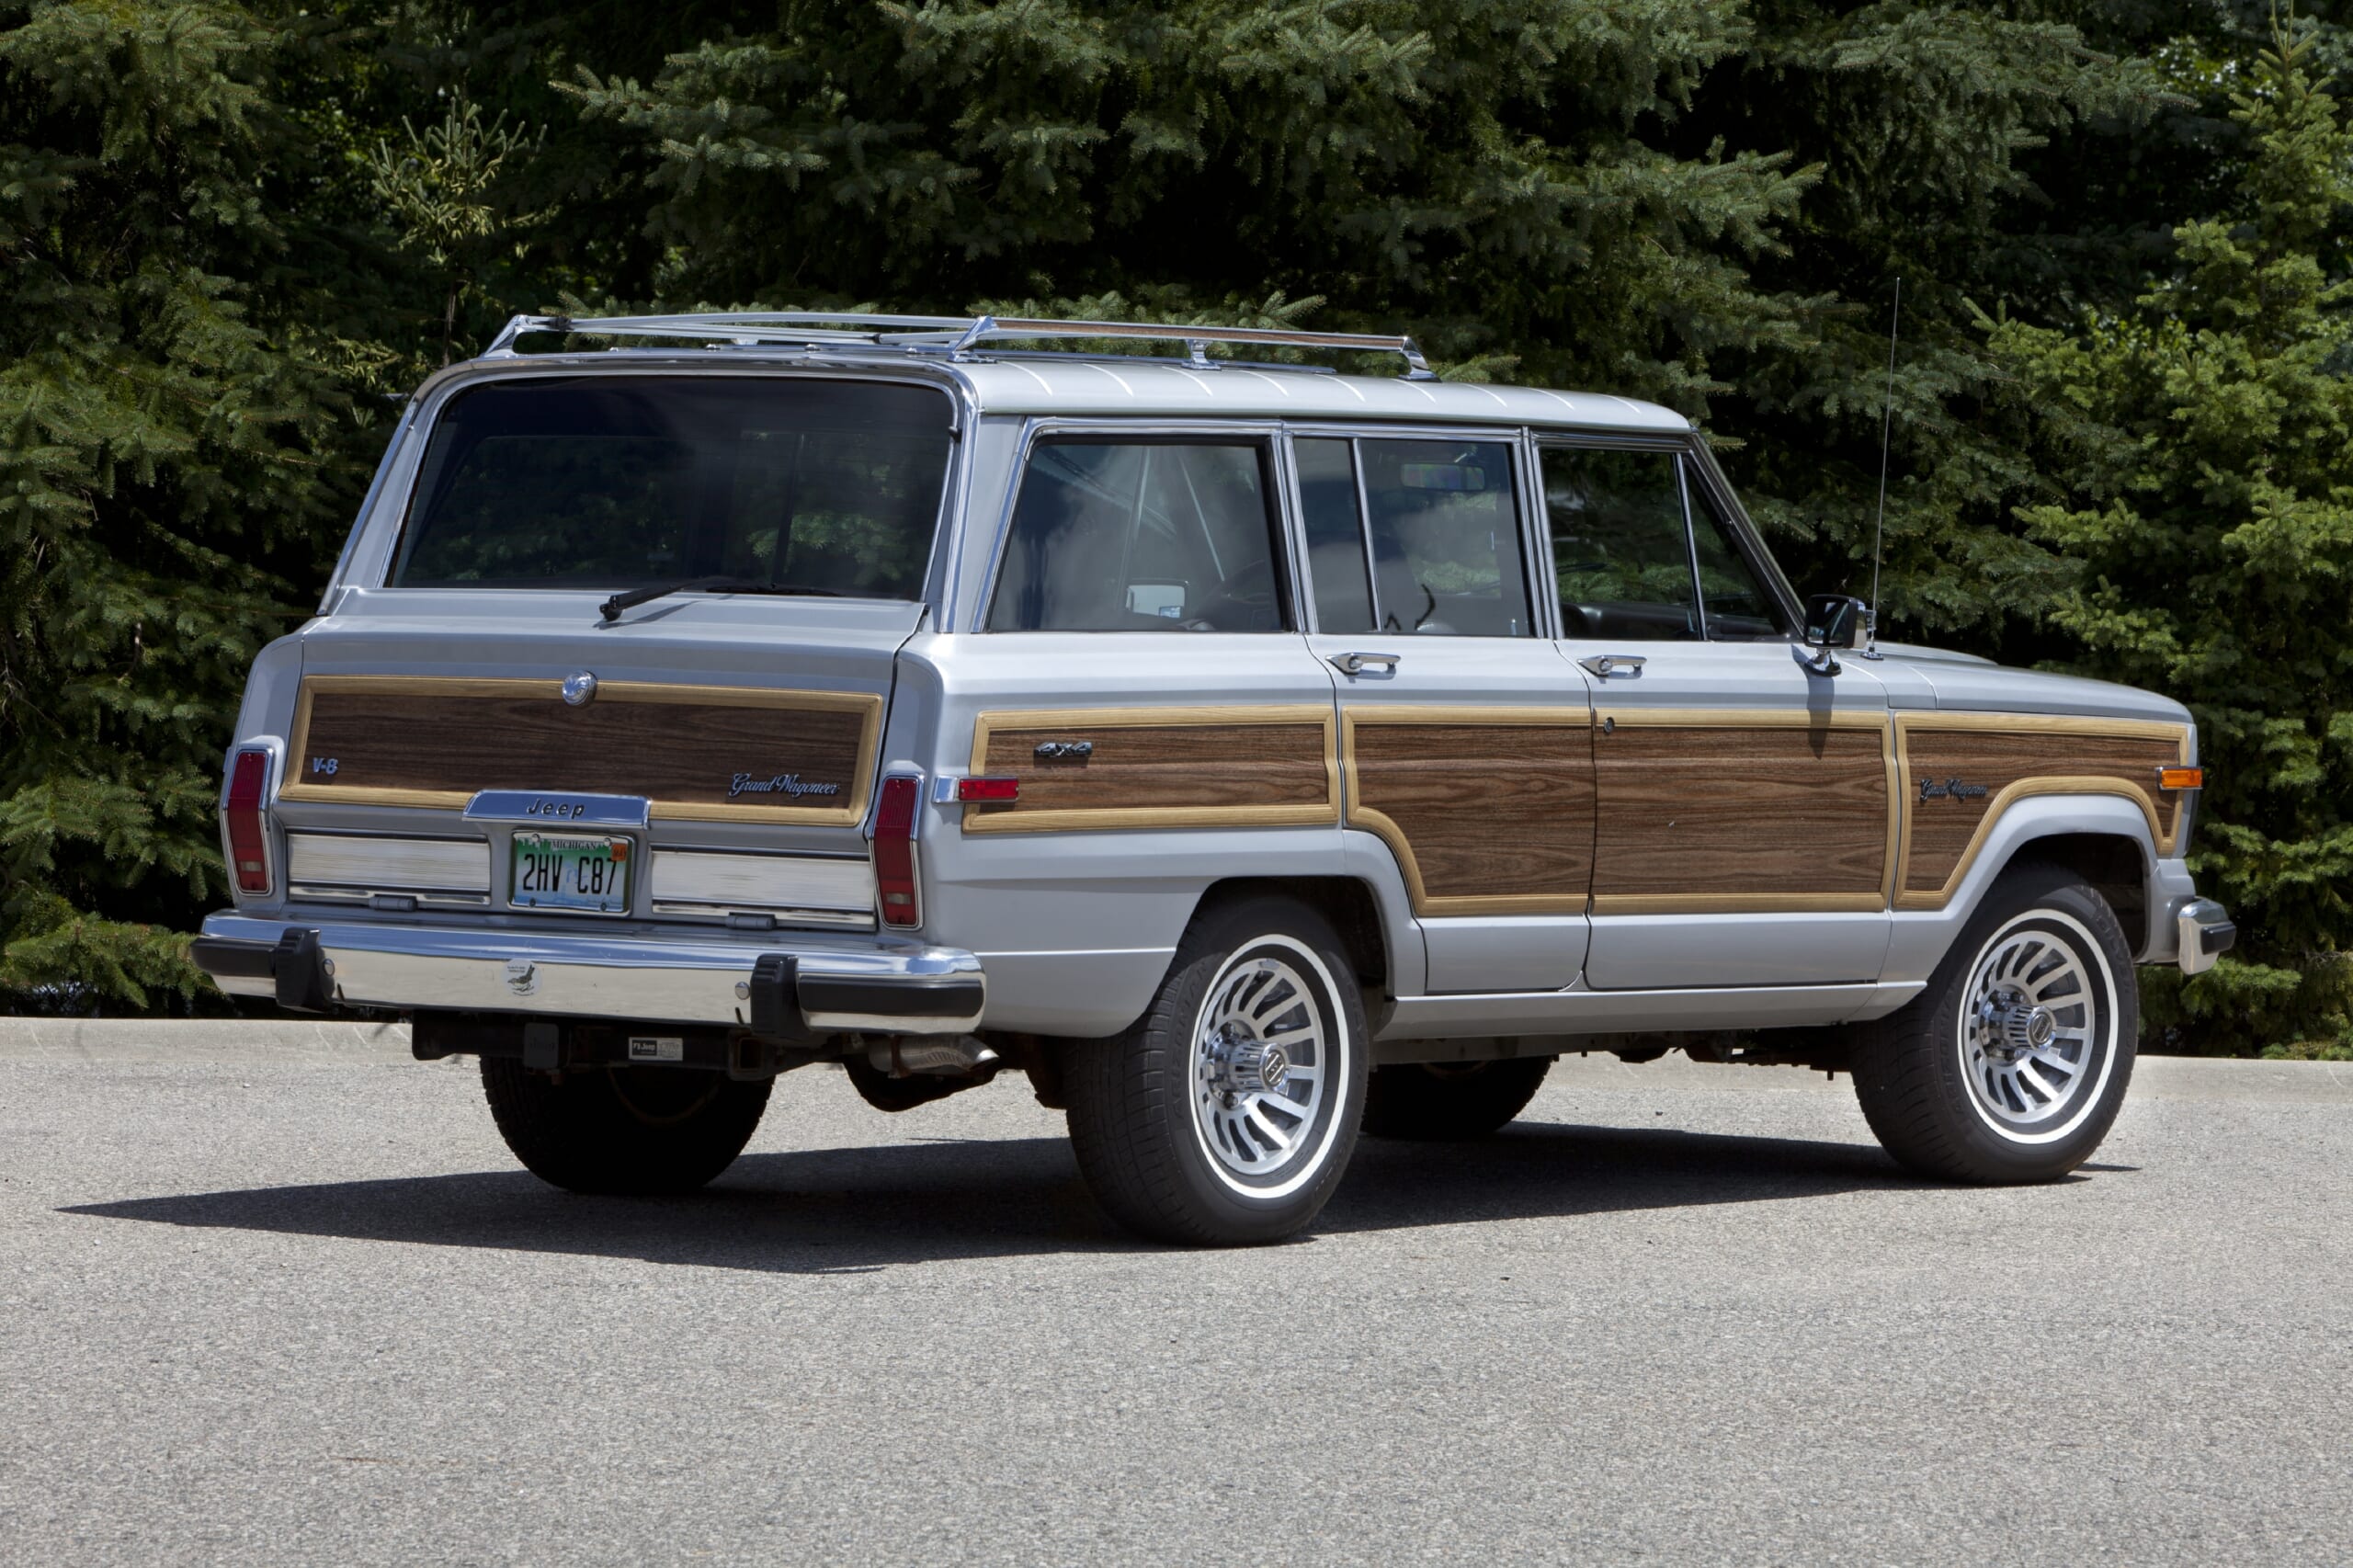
[[1879, 527]]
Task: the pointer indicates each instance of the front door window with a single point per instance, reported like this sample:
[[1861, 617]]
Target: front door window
[[1639, 554]]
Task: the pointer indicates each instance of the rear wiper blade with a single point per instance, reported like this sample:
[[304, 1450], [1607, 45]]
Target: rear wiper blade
[[611, 609]]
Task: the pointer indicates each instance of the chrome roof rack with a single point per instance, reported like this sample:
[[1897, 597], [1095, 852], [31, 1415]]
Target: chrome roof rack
[[957, 337]]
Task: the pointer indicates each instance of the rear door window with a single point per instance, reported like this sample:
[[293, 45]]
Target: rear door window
[[1113, 535], [1439, 524]]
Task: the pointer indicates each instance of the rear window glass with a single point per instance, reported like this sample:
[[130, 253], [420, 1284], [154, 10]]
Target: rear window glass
[[620, 482]]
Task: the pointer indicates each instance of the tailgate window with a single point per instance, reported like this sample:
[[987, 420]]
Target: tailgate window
[[617, 481]]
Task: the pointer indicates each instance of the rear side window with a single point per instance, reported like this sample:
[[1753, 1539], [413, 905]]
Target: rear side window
[[619, 481], [1141, 536]]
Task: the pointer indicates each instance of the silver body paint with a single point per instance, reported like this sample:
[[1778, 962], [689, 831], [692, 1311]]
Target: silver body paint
[[1074, 930]]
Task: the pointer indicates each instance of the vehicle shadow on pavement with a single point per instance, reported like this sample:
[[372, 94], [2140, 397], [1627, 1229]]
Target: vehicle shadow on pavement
[[832, 1210]]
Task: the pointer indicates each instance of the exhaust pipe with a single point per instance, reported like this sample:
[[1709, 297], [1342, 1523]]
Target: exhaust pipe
[[902, 1056]]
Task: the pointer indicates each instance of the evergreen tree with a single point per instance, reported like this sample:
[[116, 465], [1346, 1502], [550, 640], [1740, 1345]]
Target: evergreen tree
[[2204, 546], [170, 470], [1476, 172]]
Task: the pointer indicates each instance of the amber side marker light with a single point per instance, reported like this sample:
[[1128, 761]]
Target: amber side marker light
[[2181, 778]]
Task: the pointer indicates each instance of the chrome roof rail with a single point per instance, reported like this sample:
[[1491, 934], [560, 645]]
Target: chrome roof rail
[[960, 337]]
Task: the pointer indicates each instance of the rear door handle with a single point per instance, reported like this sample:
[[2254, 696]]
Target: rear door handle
[[1614, 666], [1355, 664]]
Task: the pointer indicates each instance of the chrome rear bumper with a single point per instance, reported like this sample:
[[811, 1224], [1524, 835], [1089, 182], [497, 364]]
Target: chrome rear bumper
[[825, 983]]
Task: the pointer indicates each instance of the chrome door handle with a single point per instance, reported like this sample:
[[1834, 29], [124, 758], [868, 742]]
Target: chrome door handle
[[1354, 664], [1614, 666]]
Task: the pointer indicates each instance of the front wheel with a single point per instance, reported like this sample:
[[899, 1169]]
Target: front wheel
[[1227, 1114], [2012, 1066]]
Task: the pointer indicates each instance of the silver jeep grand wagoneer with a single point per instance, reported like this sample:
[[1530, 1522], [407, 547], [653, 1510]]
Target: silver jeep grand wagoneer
[[1248, 754]]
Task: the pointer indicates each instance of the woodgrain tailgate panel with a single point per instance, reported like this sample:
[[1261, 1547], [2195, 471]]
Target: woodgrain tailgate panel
[[711, 753]]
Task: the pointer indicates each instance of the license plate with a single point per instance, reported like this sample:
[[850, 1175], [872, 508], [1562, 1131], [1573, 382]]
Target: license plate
[[562, 870]]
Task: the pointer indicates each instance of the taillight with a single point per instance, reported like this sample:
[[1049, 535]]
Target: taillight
[[894, 850], [248, 835]]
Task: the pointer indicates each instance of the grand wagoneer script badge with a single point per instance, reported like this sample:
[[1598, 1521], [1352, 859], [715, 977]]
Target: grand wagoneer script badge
[[1950, 790], [777, 784]]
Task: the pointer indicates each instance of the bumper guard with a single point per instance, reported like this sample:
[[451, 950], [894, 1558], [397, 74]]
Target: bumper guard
[[2206, 934]]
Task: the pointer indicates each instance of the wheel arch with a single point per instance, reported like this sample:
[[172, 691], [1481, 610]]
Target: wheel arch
[[1348, 902], [2103, 839], [2117, 865]]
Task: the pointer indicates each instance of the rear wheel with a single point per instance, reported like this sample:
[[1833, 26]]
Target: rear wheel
[[1227, 1114], [623, 1129], [1436, 1101], [2012, 1066]]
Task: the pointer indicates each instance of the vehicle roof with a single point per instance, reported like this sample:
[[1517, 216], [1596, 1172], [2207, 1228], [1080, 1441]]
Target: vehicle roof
[[1077, 386], [1069, 385]]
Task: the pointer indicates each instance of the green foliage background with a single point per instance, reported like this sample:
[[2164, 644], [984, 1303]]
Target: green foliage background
[[231, 235]]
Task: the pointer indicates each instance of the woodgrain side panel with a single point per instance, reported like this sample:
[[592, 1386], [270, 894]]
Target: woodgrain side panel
[[1489, 810], [1733, 812], [704, 753], [1159, 768], [2010, 757]]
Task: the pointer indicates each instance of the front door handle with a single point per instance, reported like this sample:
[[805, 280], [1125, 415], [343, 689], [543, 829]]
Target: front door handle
[[1355, 664], [1614, 666]]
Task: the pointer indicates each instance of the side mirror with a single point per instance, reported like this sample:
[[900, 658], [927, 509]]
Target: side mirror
[[1832, 620]]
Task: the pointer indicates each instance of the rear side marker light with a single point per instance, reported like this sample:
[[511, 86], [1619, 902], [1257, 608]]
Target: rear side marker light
[[988, 789], [248, 835], [2181, 778], [894, 850]]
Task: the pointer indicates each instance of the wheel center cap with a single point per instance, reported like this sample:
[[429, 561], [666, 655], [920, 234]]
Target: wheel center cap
[[1235, 1064], [2016, 1023]]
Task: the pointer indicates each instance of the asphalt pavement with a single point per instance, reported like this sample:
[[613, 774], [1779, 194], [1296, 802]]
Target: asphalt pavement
[[277, 1294]]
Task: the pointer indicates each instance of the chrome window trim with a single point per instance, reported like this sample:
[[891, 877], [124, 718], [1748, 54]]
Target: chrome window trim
[[1691, 551]]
